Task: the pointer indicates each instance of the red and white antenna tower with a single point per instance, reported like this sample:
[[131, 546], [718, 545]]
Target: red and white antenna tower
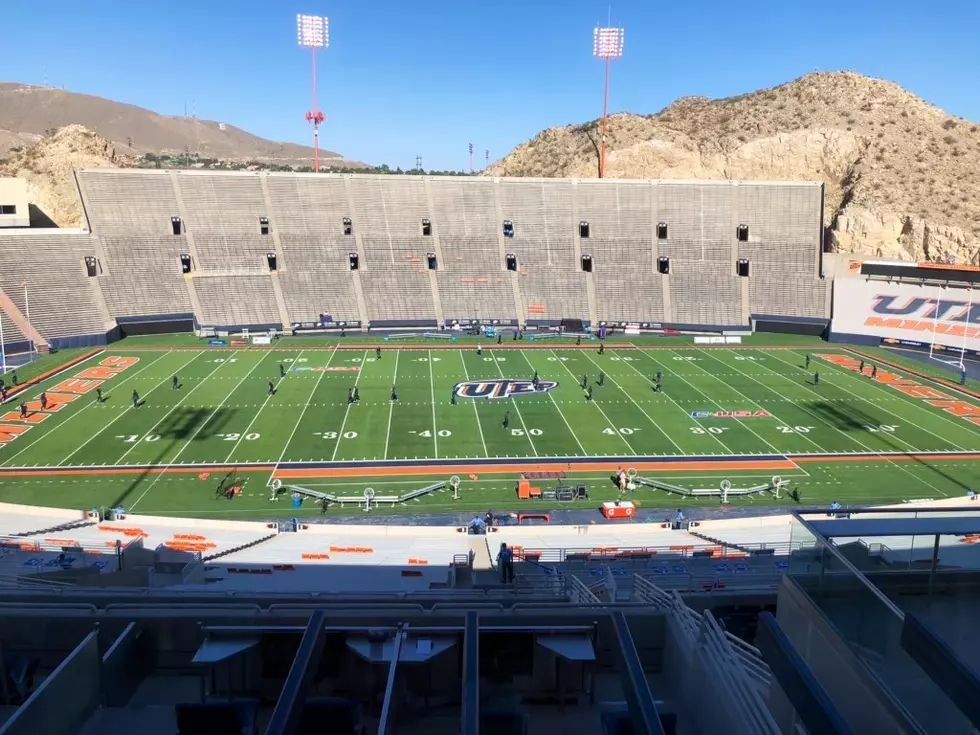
[[607, 45], [312, 32], [471, 158], [487, 154]]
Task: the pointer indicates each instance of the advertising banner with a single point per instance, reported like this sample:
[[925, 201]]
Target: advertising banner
[[906, 311]]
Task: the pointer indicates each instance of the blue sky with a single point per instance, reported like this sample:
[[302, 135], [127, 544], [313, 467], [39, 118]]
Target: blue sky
[[430, 76]]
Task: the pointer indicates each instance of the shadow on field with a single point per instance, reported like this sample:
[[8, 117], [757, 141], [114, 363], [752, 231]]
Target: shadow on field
[[175, 430], [848, 417]]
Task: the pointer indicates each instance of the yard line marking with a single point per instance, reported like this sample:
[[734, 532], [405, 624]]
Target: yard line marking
[[856, 440], [432, 389], [676, 403], [611, 424], [476, 413], [343, 424], [560, 412], [174, 407], [58, 426], [391, 407], [903, 398], [302, 413], [125, 412], [256, 416], [517, 408], [649, 418], [771, 390], [197, 431]]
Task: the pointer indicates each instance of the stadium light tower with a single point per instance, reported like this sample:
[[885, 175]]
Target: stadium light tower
[[312, 32], [607, 44]]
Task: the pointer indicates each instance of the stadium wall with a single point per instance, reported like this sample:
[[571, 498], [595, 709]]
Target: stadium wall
[[871, 311]]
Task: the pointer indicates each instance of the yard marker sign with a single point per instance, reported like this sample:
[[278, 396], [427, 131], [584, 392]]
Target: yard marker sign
[[12, 425]]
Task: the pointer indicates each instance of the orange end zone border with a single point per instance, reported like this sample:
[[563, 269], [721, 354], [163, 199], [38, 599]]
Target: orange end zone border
[[21, 387]]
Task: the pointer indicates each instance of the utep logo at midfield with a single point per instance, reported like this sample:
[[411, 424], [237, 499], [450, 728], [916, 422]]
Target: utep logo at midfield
[[502, 388]]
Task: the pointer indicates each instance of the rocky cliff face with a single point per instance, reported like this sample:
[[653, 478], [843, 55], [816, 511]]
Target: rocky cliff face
[[48, 165], [902, 177]]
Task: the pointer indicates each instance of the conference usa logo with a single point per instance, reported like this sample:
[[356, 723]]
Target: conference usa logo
[[503, 388]]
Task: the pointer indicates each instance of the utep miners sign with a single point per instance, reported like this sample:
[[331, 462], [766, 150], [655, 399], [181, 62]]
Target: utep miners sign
[[503, 388]]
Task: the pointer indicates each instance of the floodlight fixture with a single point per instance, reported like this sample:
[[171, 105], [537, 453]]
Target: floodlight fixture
[[312, 32], [607, 45]]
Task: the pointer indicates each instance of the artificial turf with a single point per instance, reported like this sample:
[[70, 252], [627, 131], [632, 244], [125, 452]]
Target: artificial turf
[[223, 414]]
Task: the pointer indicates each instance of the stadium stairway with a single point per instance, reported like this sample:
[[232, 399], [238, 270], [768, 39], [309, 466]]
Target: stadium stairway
[[719, 542], [249, 545], [26, 328], [480, 552], [55, 529]]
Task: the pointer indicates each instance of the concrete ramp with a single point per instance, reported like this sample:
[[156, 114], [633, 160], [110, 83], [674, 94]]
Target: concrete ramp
[[10, 309], [480, 553]]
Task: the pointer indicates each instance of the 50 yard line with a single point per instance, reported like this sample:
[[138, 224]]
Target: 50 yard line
[[432, 388], [391, 407]]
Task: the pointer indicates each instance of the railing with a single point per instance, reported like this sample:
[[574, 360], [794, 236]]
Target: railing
[[648, 553]]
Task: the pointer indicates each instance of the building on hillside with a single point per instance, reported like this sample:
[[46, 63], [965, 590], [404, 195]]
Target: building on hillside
[[14, 207]]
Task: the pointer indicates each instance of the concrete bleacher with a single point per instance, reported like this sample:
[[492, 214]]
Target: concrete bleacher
[[142, 276], [131, 211], [206, 538], [351, 545], [237, 300], [52, 265]]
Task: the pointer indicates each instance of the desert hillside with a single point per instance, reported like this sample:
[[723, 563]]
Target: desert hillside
[[48, 164], [28, 113], [902, 176]]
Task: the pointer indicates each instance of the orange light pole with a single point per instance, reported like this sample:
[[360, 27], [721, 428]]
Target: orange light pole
[[607, 45], [312, 32]]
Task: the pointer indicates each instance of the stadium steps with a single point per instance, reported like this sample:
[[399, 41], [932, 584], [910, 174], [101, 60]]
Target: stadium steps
[[724, 544], [480, 553], [26, 328], [56, 529], [249, 545]]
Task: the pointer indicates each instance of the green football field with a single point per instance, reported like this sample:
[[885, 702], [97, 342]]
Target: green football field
[[714, 403]]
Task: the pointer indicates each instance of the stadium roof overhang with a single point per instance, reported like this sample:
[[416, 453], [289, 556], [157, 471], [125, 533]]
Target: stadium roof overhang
[[867, 527]]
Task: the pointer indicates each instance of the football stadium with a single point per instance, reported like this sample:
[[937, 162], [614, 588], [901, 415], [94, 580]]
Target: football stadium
[[347, 453]]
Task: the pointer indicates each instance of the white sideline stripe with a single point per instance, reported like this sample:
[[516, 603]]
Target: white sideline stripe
[[198, 430], [309, 399], [124, 412], [261, 408], [391, 408], [555, 404], [53, 429], [479, 425], [610, 423], [343, 424]]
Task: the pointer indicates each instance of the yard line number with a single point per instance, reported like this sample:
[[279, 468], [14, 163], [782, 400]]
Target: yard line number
[[531, 432], [427, 433], [887, 428], [708, 429], [795, 429], [238, 437], [335, 435], [625, 431]]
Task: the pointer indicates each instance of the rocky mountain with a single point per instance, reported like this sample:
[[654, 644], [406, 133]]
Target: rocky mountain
[[47, 165], [28, 113], [902, 176]]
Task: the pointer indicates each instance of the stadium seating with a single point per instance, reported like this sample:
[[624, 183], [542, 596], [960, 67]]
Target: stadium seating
[[230, 221]]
